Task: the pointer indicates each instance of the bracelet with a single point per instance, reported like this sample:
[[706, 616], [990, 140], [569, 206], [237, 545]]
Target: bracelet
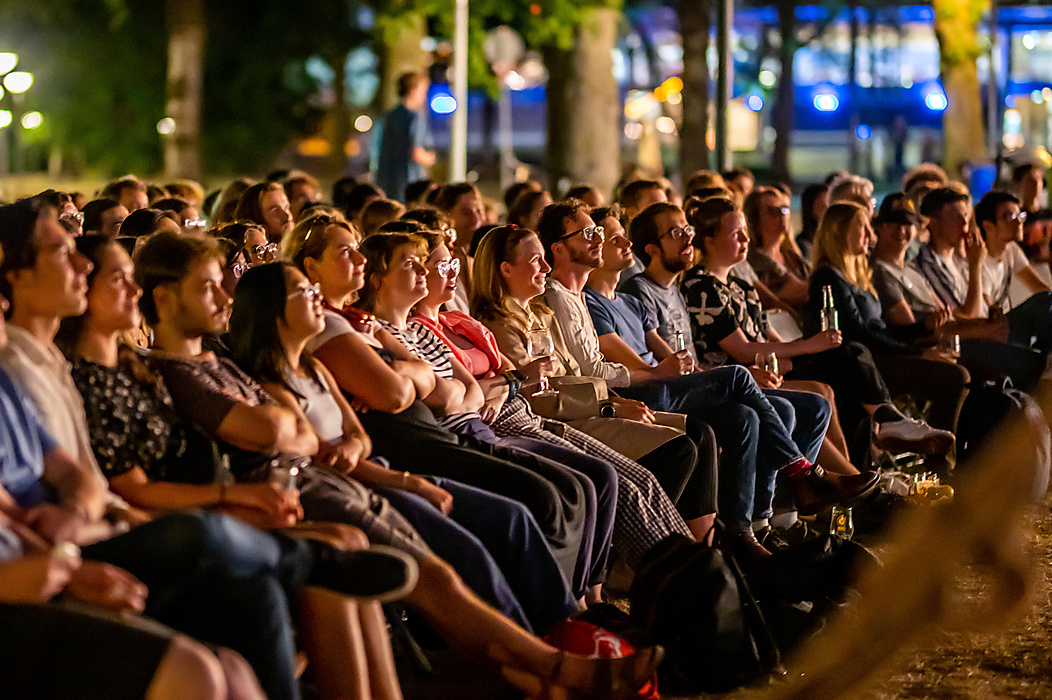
[[65, 550]]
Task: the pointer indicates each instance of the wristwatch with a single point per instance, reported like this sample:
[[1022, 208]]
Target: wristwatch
[[514, 378], [608, 410]]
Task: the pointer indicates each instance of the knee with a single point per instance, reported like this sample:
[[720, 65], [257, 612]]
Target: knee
[[820, 388], [741, 375], [785, 411], [338, 535], [188, 669], [821, 408], [438, 579]]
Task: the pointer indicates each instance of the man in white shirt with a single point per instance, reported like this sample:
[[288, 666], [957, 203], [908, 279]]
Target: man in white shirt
[[756, 443], [46, 286], [959, 278], [1000, 218]]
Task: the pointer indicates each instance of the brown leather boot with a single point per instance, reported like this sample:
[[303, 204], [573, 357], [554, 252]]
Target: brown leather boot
[[745, 547], [816, 489]]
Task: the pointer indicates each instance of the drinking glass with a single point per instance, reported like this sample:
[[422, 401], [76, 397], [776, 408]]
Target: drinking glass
[[951, 346], [841, 522], [285, 472], [767, 361], [539, 344]]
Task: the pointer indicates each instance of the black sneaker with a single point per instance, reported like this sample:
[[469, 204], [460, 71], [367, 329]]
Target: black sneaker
[[772, 539], [800, 531], [380, 573]]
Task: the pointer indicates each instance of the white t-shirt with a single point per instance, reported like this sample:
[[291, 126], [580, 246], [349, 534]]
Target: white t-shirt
[[956, 268], [997, 275]]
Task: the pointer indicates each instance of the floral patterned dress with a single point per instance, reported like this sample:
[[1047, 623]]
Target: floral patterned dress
[[719, 308], [132, 424]]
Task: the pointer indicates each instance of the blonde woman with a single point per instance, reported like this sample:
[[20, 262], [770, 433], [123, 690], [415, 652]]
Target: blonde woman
[[841, 263]]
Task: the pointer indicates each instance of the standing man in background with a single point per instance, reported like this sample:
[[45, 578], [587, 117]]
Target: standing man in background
[[405, 140]]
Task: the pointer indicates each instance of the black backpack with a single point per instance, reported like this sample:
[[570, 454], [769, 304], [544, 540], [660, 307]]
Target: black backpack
[[801, 586], [693, 600], [988, 404]]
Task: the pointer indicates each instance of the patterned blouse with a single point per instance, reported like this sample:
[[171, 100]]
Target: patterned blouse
[[717, 309], [131, 423]]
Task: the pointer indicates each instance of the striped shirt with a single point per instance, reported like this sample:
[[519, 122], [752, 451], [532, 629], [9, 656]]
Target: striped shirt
[[425, 344]]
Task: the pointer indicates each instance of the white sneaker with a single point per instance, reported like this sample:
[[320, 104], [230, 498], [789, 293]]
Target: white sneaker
[[910, 435]]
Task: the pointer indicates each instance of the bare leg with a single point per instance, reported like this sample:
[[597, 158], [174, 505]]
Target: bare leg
[[457, 613], [701, 528], [240, 679], [834, 460], [466, 621], [331, 635], [383, 678], [188, 669], [834, 433]]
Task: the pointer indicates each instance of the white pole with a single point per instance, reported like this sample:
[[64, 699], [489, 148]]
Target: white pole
[[507, 149], [993, 93], [458, 146]]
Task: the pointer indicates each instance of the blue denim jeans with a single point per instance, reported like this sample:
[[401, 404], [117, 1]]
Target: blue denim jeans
[[755, 443], [810, 414], [224, 582]]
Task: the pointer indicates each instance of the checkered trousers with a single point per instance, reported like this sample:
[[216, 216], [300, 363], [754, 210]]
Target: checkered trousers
[[645, 513]]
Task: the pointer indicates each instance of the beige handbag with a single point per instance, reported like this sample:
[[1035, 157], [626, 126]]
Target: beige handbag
[[576, 397]]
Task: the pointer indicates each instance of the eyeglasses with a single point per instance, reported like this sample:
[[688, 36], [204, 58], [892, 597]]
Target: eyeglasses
[[311, 293], [778, 211], [195, 223], [264, 251], [1019, 217], [680, 233], [590, 233], [238, 269], [445, 267]]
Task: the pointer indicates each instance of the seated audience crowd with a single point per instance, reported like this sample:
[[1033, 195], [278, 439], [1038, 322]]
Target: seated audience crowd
[[237, 426]]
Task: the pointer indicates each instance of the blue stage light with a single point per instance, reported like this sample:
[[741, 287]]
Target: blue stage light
[[443, 103], [826, 101], [934, 97]]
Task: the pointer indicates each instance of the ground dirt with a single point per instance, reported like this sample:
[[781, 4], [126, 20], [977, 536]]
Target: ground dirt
[[1013, 662]]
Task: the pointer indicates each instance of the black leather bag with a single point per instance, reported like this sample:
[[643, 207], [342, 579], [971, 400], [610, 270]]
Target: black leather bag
[[799, 587], [693, 600]]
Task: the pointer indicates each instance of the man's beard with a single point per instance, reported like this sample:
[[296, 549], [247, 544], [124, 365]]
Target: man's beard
[[584, 258], [674, 263]]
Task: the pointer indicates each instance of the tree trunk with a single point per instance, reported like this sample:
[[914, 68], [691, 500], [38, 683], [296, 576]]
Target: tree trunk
[[341, 117], [695, 23], [584, 106], [186, 54], [957, 28], [782, 113], [401, 54]]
